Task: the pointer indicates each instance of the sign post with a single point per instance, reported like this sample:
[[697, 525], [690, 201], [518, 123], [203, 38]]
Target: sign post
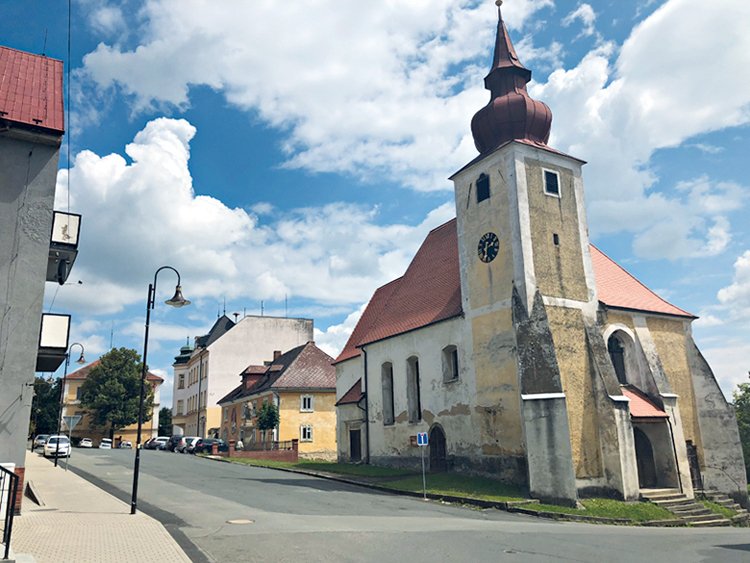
[[422, 441], [70, 422]]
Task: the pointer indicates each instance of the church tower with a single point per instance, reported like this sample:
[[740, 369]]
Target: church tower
[[526, 270]]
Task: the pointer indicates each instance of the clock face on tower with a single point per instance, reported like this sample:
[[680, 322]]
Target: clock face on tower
[[488, 247]]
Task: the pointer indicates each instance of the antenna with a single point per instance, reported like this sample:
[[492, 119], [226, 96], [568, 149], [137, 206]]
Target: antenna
[[244, 312], [286, 306], [112, 335], [261, 308], [218, 311], [225, 306], [44, 49]]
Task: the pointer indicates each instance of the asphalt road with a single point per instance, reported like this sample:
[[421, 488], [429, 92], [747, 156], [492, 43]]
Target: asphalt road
[[292, 517]]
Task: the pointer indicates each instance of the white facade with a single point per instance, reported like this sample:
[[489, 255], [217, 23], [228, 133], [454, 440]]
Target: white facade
[[213, 370]]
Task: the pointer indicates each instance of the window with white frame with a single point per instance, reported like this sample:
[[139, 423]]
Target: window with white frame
[[180, 404], [306, 403], [551, 182], [181, 381], [306, 433]]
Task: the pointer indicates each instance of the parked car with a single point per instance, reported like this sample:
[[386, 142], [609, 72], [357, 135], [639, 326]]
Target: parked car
[[85, 443], [105, 444], [156, 443], [175, 442], [40, 440], [57, 446], [187, 445], [205, 445], [126, 445]]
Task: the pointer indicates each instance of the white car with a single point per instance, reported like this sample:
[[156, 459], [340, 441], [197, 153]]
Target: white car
[[85, 443], [105, 444], [57, 446]]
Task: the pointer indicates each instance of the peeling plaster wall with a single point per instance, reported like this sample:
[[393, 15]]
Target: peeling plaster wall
[[558, 268], [569, 335], [670, 340], [722, 463]]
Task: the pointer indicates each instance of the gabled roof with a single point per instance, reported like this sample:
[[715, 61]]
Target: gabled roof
[[83, 373], [430, 291], [617, 288], [353, 396], [31, 90], [303, 367]]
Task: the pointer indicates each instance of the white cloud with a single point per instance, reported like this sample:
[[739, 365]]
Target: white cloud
[[585, 13], [342, 249], [334, 338], [729, 364], [736, 297]]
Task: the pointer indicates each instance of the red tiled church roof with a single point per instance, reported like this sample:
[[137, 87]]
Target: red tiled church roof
[[617, 288], [641, 406], [31, 90], [83, 373], [430, 291]]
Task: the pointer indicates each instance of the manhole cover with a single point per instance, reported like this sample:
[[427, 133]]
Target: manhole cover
[[241, 521]]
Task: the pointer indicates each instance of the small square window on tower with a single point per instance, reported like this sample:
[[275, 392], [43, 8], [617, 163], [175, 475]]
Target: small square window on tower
[[483, 187], [551, 183]]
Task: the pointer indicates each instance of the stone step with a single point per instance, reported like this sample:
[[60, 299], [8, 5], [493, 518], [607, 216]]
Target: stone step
[[674, 495], [673, 502], [707, 516], [695, 511], [713, 523]]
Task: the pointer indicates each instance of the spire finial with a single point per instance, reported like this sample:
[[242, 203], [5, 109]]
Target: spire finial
[[498, 3]]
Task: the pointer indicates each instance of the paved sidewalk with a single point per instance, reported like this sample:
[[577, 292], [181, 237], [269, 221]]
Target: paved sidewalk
[[81, 523]]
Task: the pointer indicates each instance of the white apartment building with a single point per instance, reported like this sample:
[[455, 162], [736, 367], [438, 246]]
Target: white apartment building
[[210, 369]]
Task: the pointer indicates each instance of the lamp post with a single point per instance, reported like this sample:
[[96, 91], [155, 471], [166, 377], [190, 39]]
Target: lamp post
[[176, 301], [80, 360]]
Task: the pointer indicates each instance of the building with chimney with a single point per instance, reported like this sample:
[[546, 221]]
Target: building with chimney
[[524, 351], [207, 371]]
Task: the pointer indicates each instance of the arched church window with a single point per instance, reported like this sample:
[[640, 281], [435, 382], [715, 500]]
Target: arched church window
[[617, 355], [413, 395], [386, 373], [483, 187]]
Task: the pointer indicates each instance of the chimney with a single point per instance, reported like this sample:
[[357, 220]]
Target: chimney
[[276, 355]]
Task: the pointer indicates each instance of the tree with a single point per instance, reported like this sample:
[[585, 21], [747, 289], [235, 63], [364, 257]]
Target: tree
[[268, 418], [111, 392], [165, 421], [742, 410], [45, 406]]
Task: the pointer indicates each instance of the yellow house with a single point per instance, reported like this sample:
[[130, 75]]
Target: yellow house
[[302, 385], [86, 429]]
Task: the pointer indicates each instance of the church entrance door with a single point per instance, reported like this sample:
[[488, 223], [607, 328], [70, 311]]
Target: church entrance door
[[355, 445], [644, 454], [438, 455]]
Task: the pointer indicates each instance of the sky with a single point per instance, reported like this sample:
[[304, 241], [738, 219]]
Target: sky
[[290, 157]]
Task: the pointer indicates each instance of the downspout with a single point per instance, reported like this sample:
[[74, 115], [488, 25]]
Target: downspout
[[367, 410], [200, 384], [277, 430]]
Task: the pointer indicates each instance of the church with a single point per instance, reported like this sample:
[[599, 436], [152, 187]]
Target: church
[[523, 350]]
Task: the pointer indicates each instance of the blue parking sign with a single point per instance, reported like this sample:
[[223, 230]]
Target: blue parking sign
[[422, 439]]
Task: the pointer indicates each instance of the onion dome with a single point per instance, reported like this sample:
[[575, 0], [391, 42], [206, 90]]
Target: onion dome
[[511, 112]]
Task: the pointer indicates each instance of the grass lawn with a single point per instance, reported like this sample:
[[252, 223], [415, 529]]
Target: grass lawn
[[608, 508], [459, 485], [718, 509]]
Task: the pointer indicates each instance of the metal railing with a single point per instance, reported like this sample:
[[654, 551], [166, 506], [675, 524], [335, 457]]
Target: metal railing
[[8, 493], [268, 446]]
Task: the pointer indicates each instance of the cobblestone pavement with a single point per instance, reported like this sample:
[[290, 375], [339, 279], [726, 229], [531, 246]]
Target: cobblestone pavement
[[81, 523]]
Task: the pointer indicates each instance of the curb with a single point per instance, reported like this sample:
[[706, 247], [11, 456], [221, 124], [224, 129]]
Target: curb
[[513, 506]]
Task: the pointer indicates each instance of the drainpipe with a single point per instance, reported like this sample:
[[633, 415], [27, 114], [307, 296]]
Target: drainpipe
[[367, 410], [200, 384]]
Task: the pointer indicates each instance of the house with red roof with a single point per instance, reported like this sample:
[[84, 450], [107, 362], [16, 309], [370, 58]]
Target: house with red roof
[[86, 428], [37, 244], [301, 383], [525, 352]]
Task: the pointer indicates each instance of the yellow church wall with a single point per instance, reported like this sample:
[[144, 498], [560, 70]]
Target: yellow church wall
[[558, 268], [322, 419], [569, 336], [489, 282], [670, 340], [620, 318], [497, 392]]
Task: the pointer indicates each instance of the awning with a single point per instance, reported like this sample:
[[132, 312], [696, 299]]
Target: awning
[[641, 407]]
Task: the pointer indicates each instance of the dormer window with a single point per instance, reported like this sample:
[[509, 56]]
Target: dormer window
[[551, 183], [483, 187]]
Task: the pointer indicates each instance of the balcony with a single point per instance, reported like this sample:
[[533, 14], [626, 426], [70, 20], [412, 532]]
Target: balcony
[[53, 342], [63, 247]]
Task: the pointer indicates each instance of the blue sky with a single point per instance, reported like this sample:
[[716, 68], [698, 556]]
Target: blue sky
[[301, 150]]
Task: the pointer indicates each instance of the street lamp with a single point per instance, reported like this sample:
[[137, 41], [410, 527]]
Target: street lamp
[[80, 360], [176, 301]]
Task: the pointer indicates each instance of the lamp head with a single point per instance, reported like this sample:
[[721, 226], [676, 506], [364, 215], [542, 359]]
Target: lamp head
[[81, 360], [177, 300]]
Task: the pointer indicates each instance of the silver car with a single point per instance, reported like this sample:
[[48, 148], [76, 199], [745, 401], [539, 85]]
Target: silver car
[[57, 446]]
